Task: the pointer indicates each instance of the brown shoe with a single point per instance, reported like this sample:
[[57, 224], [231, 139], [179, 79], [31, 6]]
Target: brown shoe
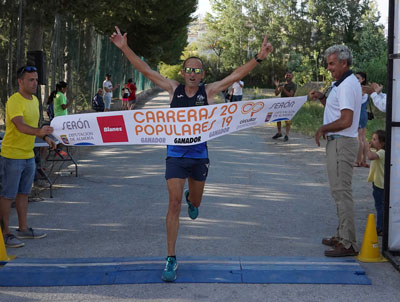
[[330, 241], [340, 251]]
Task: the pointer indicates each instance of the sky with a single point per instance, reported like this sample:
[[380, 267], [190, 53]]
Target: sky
[[383, 7]]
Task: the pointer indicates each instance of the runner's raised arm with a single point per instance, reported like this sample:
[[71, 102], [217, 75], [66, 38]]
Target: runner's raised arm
[[122, 43]]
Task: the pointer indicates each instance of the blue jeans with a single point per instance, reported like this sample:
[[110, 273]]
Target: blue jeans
[[379, 196], [237, 98], [107, 101], [17, 176]]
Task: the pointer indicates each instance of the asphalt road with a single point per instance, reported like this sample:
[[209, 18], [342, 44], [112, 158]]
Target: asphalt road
[[262, 198]]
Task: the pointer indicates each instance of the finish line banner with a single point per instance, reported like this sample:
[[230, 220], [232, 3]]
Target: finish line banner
[[171, 126]]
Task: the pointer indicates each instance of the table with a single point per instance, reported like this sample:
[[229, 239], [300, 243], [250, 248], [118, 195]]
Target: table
[[52, 156]]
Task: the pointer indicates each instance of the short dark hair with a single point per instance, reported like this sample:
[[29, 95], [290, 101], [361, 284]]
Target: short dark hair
[[193, 57], [381, 134], [108, 75], [25, 69], [130, 81]]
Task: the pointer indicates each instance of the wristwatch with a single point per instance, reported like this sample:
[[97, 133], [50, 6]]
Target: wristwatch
[[257, 59]]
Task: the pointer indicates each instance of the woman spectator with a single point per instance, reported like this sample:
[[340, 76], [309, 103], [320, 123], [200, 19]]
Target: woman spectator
[[362, 155]]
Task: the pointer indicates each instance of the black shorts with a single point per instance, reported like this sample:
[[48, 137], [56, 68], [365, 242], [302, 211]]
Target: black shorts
[[181, 167]]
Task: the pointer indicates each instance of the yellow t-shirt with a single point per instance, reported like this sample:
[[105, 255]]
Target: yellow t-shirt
[[377, 170], [15, 144]]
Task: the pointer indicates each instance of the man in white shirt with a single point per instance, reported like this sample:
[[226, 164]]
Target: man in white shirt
[[377, 96], [237, 91], [340, 127]]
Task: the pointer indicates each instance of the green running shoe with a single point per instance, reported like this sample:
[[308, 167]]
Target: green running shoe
[[169, 273], [193, 212]]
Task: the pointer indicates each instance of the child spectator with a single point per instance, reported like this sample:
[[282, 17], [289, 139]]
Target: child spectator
[[377, 173], [125, 98]]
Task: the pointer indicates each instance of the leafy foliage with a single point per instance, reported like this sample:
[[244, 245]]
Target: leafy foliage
[[300, 31]]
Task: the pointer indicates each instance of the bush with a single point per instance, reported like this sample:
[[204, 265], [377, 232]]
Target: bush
[[309, 118]]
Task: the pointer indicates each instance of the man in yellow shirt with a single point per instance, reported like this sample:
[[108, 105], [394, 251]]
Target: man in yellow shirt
[[17, 156]]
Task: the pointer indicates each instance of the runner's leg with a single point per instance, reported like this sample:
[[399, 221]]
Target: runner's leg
[[175, 192], [196, 189]]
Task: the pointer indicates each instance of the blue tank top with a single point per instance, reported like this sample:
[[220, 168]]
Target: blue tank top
[[180, 99]]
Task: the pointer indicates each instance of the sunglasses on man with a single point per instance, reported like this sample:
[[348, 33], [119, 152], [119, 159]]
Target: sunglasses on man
[[24, 69], [195, 70]]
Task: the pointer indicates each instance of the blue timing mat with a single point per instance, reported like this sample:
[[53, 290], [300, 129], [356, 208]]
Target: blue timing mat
[[102, 271]]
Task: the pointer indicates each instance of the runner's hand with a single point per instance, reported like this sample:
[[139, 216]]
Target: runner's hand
[[266, 48], [118, 39]]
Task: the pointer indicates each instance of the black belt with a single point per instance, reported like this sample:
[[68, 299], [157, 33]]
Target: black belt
[[333, 136]]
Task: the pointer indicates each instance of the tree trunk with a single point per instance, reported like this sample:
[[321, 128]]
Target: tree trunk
[[20, 37]]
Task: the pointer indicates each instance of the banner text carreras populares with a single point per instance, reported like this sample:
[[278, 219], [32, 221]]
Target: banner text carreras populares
[[171, 126]]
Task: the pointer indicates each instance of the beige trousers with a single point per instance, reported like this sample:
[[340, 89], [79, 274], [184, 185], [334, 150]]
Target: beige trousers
[[341, 154]]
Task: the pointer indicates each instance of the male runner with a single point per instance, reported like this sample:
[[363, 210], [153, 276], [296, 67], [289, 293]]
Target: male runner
[[183, 162]]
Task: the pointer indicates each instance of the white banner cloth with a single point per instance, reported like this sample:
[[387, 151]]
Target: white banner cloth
[[172, 126]]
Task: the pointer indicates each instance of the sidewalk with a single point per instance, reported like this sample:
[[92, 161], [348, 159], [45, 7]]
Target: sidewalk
[[262, 198]]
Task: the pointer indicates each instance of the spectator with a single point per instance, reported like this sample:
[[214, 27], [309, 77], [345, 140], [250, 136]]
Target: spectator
[[341, 119], [60, 103], [377, 174], [237, 91], [50, 104], [288, 89], [377, 96], [108, 89], [227, 96], [125, 92], [132, 97], [17, 156], [361, 160], [97, 101]]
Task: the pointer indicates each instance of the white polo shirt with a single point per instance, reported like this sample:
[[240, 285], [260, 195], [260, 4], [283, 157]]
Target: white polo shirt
[[347, 95], [237, 89]]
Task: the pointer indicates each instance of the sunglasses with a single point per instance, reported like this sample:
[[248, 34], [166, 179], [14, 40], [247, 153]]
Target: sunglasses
[[195, 70], [30, 68], [24, 69]]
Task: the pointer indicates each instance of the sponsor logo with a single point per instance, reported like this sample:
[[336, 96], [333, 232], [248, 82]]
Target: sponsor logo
[[283, 105], [268, 117], [200, 100], [112, 129], [189, 140], [179, 96], [245, 121], [252, 108], [64, 139]]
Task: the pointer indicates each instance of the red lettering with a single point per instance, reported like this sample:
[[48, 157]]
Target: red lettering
[[150, 117], [160, 116], [196, 129], [192, 115], [159, 129], [171, 116], [181, 116], [186, 129], [135, 117], [138, 129], [149, 130]]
